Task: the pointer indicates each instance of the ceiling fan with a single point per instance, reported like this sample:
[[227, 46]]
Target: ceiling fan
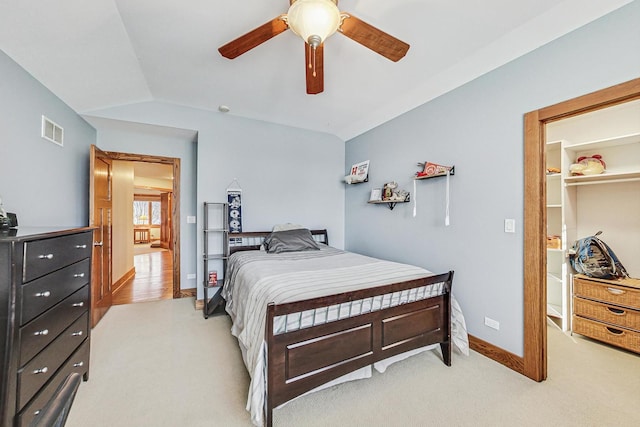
[[314, 21]]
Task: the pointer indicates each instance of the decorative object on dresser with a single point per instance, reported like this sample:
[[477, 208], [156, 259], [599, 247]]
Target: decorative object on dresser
[[607, 310], [7, 219], [45, 276]]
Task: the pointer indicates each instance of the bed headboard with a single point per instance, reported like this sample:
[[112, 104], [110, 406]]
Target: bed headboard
[[252, 240]]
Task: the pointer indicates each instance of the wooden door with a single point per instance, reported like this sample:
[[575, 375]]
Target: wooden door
[[165, 221], [100, 211]]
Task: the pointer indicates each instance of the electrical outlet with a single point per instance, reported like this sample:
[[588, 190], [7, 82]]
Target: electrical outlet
[[493, 324], [191, 276]]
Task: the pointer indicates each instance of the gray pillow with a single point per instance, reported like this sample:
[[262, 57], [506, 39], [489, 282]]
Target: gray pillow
[[290, 241]]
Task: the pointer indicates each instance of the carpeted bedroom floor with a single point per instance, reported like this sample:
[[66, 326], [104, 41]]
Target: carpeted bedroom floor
[[162, 364]]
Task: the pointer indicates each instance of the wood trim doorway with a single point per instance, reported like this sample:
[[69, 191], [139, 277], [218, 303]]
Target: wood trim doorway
[[175, 212], [535, 298]]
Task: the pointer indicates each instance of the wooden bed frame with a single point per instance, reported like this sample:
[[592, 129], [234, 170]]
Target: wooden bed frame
[[301, 360]]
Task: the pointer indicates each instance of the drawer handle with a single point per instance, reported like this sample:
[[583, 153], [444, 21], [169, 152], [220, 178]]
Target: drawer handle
[[78, 304], [615, 291], [41, 370], [77, 334], [44, 294], [78, 275], [47, 256], [616, 332], [78, 365], [81, 246], [42, 332], [616, 311]]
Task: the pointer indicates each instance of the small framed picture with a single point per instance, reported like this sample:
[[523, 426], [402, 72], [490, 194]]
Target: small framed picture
[[376, 195]]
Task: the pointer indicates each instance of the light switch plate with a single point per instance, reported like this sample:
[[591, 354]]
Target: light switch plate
[[509, 225]]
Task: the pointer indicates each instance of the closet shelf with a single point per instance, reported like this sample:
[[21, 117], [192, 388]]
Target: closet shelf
[[605, 143], [604, 178], [554, 311]]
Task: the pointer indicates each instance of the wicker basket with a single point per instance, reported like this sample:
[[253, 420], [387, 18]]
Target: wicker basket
[[615, 292], [554, 242], [620, 337], [624, 317]]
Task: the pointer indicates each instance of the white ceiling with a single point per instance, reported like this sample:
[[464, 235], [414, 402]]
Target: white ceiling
[[152, 178], [99, 54]]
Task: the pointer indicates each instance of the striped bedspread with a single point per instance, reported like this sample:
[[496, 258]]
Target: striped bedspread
[[256, 278]]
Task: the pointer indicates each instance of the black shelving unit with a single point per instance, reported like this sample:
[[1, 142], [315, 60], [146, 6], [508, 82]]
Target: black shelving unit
[[216, 252]]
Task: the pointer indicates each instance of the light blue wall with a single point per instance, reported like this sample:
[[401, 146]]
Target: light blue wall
[[479, 129], [286, 174], [291, 175], [43, 183]]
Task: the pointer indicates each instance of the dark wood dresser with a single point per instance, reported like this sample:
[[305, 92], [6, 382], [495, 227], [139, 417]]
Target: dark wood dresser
[[45, 279]]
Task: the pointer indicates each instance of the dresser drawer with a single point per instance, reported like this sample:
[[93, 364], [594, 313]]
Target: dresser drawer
[[35, 335], [78, 362], [42, 367], [618, 316], [607, 292], [47, 255], [620, 337], [47, 291]]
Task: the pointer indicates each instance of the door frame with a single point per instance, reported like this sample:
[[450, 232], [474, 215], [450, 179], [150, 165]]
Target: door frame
[[535, 213], [175, 209]]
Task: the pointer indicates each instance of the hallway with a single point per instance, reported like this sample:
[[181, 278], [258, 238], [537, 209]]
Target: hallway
[[153, 280]]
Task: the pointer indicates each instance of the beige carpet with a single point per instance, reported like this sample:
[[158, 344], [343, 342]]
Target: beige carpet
[[162, 364]]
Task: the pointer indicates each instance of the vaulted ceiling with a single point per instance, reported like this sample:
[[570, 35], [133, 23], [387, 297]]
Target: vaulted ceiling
[[99, 54]]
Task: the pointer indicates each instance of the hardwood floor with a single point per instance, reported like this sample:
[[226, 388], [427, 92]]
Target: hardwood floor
[[153, 280]]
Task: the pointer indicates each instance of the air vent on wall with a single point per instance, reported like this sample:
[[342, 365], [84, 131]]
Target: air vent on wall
[[52, 131]]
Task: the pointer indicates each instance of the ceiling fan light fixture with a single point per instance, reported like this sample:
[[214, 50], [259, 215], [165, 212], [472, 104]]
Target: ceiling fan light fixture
[[314, 20]]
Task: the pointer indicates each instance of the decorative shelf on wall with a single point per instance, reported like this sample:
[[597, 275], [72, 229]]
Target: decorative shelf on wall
[[435, 171], [390, 203], [390, 194], [359, 173]]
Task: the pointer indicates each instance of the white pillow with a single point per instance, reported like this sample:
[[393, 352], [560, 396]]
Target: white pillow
[[287, 226]]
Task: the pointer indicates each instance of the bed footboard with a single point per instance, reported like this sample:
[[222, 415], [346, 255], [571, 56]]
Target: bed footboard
[[303, 359]]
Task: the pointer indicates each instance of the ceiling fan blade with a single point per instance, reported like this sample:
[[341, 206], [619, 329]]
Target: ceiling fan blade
[[314, 65], [253, 38], [373, 38]]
